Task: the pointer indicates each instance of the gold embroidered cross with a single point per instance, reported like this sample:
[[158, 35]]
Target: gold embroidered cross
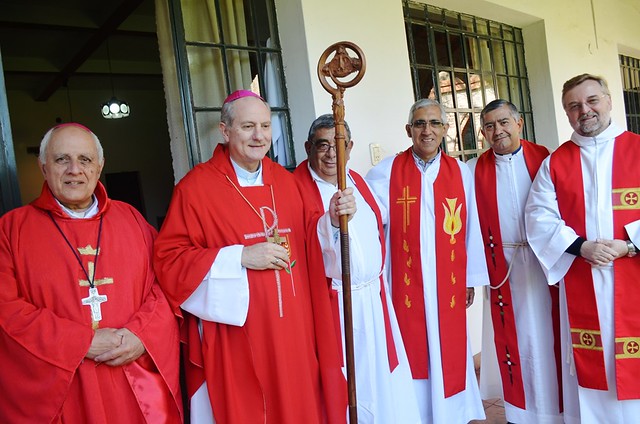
[[406, 200]]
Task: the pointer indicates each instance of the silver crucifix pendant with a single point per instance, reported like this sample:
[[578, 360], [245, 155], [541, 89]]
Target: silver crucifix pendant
[[94, 300]]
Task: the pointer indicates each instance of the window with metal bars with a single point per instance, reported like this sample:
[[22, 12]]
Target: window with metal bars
[[630, 69], [222, 46], [465, 62]]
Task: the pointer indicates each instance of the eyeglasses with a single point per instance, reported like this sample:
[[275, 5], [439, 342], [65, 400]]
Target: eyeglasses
[[421, 124], [591, 102], [324, 146]]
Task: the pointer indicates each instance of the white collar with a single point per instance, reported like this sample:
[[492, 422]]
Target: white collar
[[607, 135], [91, 211]]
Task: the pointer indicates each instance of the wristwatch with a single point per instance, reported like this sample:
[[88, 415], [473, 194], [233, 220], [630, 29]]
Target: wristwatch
[[632, 249]]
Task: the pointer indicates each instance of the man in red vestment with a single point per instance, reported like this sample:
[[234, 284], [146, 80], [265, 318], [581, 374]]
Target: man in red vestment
[[239, 262], [583, 223], [86, 335], [518, 344]]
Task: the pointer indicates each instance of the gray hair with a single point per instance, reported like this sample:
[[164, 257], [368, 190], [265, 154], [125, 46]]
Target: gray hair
[[47, 137], [422, 103], [497, 104], [579, 79], [227, 114], [325, 121]]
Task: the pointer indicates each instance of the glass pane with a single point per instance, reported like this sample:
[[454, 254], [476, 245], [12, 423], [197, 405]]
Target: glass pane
[[200, 21], [510, 58], [507, 32], [461, 90], [475, 84], [518, 33], [528, 127], [273, 86], [441, 48], [473, 54], [451, 138], [490, 93], [280, 152], [242, 67], [456, 50], [484, 54], [503, 88], [236, 24], [467, 130], [482, 26], [425, 84], [420, 35], [526, 101], [514, 92], [451, 19], [494, 27], [498, 57], [207, 76], [263, 32], [446, 96], [208, 133], [522, 70], [467, 23]]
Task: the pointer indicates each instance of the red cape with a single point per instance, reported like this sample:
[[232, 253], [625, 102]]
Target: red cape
[[46, 331], [279, 369]]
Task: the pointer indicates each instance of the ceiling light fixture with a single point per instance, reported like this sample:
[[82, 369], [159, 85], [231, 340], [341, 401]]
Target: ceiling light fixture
[[114, 108]]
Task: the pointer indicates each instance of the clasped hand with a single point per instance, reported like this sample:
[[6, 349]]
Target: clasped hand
[[115, 347], [601, 252]]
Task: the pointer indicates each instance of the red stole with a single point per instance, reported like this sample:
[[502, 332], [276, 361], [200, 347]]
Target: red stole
[[566, 173], [405, 192], [504, 325], [308, 186]]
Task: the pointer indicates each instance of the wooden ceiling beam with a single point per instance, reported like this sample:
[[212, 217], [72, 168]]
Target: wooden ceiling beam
[[101, 34]]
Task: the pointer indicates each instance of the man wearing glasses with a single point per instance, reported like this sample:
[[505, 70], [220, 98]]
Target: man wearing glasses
[[433, 224], [583, 223], [383, 378]]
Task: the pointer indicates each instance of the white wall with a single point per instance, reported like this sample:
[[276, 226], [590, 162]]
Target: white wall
[[560, 42], [376, 109]]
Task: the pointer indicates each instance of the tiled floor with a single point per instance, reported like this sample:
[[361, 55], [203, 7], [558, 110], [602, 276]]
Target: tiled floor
[[495, 412], [493, 408]]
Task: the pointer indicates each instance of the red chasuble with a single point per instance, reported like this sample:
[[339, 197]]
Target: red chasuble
[[405, 192], [274, 369], [502, 314], [45, 330], [311, 195], [566, 173]]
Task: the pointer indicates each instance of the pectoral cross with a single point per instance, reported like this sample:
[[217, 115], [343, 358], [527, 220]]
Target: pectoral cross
[[94, 300]]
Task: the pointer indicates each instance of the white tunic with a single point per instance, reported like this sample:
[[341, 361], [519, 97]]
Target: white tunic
[[382, 397], [531, 303], [466, 405], [549, 237]]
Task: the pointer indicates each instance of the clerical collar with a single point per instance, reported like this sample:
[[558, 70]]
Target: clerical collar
[[246, 178], [422, 164], [508, 155], [91, 211]]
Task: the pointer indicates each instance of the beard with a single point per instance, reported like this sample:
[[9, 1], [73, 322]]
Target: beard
[[590, 127]]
